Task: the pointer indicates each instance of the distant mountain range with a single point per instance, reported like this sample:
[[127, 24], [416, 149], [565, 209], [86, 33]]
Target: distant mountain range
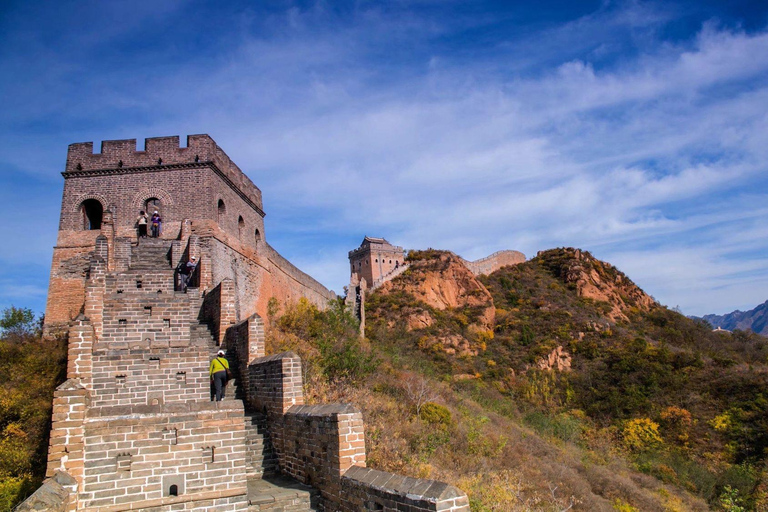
[[755, 320]]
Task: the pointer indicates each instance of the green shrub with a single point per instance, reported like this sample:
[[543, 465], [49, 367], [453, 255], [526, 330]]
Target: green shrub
[[436, 414], [14, 489], [561, 426]]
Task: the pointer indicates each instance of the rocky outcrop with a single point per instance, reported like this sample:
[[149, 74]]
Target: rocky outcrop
[[596, 280], [443, 282], [559, 359]]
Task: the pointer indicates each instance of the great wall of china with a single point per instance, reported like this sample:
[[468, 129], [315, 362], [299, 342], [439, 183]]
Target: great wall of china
[[377, 261], [134, 427]]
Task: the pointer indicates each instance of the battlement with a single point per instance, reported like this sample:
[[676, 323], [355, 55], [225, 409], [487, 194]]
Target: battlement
[[122, 156]]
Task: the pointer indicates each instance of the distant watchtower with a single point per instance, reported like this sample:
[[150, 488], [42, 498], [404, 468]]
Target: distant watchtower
[[374, 259]]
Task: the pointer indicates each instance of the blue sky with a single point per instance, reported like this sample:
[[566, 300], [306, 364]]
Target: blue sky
[[635, 130]]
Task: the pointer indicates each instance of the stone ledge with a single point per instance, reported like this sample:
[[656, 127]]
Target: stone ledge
[[407, 487], [275, 357], [51, 496], [127, 411], [163, 502], [322, 410]]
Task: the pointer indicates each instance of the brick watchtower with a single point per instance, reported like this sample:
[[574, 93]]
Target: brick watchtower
[[375, 259], [201, 196]]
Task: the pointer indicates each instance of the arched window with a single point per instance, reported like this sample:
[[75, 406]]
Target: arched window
[[173, 490], [222, 211], [153, 205], [240, 227], [257, 237], [92, 211]]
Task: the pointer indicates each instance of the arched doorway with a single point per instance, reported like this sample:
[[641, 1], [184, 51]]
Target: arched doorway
[[92, 211], [153, 205]]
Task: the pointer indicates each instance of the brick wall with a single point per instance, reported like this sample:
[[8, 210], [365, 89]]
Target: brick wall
[[156, 320], [244, 343], [494, 262], [275, 383], [66, 288], [256, 276], [219, 309], [369, 489], [324, 446], [146, 377], [317, 444], [134, 454], [80, 350], [66, 445]]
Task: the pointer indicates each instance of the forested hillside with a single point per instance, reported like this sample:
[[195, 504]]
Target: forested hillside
[[580, 354], [30, 370]]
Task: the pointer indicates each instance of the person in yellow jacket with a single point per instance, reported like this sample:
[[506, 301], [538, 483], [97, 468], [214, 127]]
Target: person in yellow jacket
[[218, 370]]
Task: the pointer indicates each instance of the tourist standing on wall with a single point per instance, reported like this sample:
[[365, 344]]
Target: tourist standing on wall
[[156, 223], [188, 270], [142, 223], [219, 371]]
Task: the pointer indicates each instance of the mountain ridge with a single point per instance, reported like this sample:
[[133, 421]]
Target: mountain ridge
[[755, 320], [583, 356]]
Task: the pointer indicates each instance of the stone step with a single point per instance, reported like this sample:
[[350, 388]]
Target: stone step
[[150, 254], [261, 460], [281, 494]]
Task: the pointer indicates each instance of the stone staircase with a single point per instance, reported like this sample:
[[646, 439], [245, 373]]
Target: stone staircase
[[281, 494], [268, 490], [151, 254], [261, 459], [388, 277]]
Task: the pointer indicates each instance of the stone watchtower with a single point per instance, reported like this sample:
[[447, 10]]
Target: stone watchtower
[[375, 259], [209, 207], [134, 426]]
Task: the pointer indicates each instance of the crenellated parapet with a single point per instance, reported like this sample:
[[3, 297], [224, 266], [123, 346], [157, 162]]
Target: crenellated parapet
[[160, 153]]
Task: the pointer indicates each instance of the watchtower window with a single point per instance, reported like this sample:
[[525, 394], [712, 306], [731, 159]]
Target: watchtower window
[[240, 227], [92, 211], [257, 237], [173, 491], [222, 211]]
